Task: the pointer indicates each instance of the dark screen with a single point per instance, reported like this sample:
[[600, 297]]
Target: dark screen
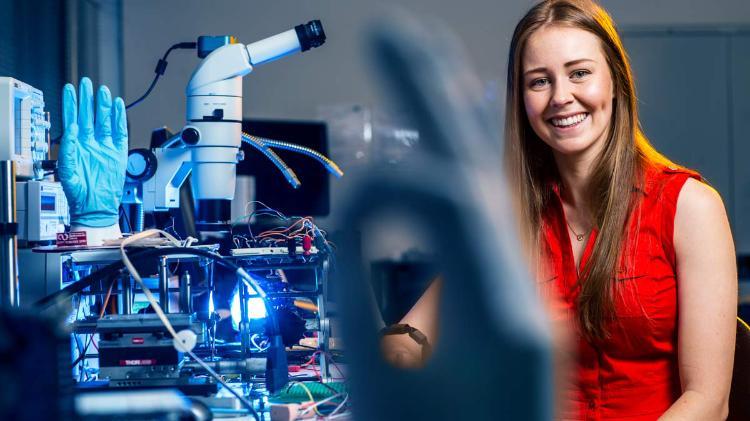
[[312, 198]]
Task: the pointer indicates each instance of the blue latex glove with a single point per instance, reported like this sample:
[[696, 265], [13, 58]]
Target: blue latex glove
[[93, 155]]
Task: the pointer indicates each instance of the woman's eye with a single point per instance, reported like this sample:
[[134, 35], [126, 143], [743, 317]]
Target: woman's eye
[[539, 83], [578, 74]]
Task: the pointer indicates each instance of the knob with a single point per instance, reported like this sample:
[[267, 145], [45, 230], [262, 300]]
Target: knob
[[142, 164]]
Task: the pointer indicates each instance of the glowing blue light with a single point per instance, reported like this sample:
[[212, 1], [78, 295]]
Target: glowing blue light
[[255, 308]]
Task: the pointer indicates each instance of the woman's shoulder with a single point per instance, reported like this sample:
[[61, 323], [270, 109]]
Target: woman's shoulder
[[678, 200], [684, 192], [664, 181], [698, 201]]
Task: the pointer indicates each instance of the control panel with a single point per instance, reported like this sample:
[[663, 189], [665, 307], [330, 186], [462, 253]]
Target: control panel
[[42, 210], [24, 128]]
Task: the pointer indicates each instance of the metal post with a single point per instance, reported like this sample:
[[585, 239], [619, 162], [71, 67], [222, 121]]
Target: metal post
[[213, 317], [8, 236], [164, 284], [185, 291], [244, 320], [138, 218], [127, 295], [321, 285]]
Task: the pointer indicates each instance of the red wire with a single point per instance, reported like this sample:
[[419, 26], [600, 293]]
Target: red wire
[[311, 363]]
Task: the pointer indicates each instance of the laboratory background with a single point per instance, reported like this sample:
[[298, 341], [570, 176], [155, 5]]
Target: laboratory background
[[264, 189]]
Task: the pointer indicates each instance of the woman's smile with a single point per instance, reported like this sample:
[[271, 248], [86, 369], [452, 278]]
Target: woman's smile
[[567, 124]]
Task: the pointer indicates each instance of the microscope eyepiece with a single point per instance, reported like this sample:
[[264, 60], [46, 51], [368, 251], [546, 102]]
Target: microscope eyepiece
[[311, 35]]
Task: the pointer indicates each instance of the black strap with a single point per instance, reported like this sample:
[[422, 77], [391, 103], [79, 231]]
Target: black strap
[[413, 332], [8, 228]]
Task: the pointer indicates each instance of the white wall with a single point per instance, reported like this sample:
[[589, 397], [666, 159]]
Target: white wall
[[338, 72]]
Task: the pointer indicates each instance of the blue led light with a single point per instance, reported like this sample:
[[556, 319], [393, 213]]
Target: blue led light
[[255, 308]]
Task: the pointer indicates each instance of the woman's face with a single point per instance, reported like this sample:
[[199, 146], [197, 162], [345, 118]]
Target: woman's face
[[567, 89]]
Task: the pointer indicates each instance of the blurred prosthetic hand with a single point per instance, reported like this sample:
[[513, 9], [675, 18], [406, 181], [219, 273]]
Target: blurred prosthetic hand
[[93, 158]]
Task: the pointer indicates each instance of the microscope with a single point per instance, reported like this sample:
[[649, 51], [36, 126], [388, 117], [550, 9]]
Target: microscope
[[208, 147]]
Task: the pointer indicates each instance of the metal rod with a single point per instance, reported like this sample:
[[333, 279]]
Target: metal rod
[[127, 295], [294, 294], [321, 282], [244, 320], [254, 266], [244, 366], [174, 140], [185, 292], [164, 284], [140, 291], [8, 236], [139, 218]]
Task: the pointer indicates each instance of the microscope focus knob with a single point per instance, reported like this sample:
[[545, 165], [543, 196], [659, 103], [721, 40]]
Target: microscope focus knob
[[190, 135], [142, 164]]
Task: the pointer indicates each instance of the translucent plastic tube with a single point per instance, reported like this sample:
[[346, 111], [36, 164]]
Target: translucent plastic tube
[[327, 163], [289, 174]]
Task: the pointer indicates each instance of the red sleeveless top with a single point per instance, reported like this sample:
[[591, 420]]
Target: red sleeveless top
[[632, 375]]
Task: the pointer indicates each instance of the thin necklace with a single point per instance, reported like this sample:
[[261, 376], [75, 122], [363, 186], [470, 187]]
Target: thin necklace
[[579, 237]]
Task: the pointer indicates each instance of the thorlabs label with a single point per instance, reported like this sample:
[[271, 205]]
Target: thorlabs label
[[137, 362]]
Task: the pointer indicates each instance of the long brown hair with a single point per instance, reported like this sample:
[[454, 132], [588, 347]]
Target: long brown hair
[[624, 156]]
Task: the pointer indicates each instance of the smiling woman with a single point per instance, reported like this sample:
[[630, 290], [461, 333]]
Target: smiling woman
[[633, 252], [639, 249], [568, 90]]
